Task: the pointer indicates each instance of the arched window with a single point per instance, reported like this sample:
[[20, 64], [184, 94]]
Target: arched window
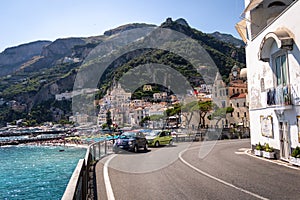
[[276, 3]]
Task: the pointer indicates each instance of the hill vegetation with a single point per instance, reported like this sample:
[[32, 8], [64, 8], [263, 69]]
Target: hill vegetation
[[50, 70]]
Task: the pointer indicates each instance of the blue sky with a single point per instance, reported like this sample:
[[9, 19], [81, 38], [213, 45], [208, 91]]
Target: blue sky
[[26, 21]]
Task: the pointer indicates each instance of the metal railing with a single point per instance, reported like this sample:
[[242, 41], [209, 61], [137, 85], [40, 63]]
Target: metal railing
[[280, 95], [80, 186], [213, 134]]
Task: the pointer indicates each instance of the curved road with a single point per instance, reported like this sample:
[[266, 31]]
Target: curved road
[[200, 170]]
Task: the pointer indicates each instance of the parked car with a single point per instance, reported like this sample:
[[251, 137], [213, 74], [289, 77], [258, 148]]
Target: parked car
[[130, 140], [159, 137]]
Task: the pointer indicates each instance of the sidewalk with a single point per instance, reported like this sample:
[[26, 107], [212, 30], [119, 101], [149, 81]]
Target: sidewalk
[[275, 161]]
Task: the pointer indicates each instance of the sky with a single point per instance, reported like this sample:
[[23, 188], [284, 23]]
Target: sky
[[27, 21]]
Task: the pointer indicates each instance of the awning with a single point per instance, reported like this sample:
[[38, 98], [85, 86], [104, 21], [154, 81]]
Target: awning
[[253, 4], [242, 29], [282, 39]]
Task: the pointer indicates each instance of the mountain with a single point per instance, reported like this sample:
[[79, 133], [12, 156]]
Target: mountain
[[126, 28], [182, 21], [12, 58], [40, 70], [228, 38]]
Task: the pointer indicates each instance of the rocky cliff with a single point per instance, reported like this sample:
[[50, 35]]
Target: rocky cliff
[[12, 58], [126, 28]]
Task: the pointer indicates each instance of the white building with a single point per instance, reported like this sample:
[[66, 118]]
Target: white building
[[79, 118], [117, 101], [271, 31]]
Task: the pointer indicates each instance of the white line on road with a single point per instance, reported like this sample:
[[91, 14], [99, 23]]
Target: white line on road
[[109, 191], [217, 179]]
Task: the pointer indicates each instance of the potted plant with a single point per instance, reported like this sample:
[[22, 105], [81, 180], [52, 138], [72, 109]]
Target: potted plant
[[295, 157], [258, 150], [268, 152]]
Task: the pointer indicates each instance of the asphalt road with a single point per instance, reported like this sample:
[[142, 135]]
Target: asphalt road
[[211, 170]]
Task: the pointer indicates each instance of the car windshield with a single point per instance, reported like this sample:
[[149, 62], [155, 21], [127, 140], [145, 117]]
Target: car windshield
[[153, 133], [128, 135]]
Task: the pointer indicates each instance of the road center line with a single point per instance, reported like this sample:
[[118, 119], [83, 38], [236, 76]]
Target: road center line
[[109, 190], [217, 179]]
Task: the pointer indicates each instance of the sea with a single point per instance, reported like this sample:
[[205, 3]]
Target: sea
[[36, 172]]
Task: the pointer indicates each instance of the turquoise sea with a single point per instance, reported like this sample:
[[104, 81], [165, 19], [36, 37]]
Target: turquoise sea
[[36, 172]]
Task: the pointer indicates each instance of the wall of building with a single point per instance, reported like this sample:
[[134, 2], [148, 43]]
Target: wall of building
[[260, 79]]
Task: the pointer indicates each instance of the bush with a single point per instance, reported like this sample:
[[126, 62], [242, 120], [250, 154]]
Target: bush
[[296, 152], [267, 148], [259, 147]]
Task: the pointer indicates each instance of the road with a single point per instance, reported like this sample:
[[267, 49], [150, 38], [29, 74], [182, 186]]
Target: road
[[199, 170]]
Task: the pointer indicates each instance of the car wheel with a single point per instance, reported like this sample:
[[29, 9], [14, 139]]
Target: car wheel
[[156, 144], [146, 147], [136, 149]]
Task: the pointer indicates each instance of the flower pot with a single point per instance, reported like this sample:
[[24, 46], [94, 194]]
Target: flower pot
[[295, 161], [258, 152], [270, 155]]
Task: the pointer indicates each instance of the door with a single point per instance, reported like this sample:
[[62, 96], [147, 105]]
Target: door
[[162, 138], [284, 140]]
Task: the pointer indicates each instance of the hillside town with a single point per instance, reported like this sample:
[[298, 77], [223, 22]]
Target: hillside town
[[151, 112]]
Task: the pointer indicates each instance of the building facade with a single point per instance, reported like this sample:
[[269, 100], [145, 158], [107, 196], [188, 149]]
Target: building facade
[[271, 31], [233, 95]]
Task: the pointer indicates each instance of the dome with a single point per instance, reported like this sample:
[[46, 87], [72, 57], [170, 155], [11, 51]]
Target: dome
[[243, 73]]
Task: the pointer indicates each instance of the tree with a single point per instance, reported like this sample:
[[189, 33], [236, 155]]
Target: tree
[[156, 117], [108, 119], [204, 107], [144, 120], [176, 110], [220, 113], [187, 111], [104, 126]]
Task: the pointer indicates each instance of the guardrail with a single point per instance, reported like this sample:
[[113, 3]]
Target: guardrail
[[80, 186], [213, 134]]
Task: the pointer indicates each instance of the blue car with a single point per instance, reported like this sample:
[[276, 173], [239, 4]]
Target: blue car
[[131, 141]]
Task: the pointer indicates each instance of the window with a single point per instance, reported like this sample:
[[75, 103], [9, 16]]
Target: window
[[163, 134], [237, 105], [238, 114], [276, 3], [233, 91], [244, 104], [281, 70], [223, 104], [245, 114]]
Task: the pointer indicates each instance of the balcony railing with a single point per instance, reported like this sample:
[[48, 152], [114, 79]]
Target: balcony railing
[[280, 96]]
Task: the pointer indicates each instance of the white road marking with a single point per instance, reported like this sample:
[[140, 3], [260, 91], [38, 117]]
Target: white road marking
[[239, 153], [243, 149], [217, 179], [109, 190]]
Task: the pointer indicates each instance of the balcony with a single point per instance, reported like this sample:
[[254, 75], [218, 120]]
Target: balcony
[[279, 96]]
